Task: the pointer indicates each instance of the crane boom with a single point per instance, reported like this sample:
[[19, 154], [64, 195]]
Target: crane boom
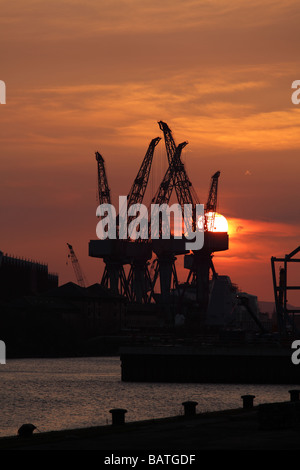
[[185, 192], [103, 188], [78, 272], [138, 189], [211, 205]]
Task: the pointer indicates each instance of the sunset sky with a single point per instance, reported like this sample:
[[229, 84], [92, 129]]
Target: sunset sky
[[98, 75]]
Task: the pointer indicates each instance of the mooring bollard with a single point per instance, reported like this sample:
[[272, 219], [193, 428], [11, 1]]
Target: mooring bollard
[[189, 408], [118, 415], [294, 395], [248, 401]]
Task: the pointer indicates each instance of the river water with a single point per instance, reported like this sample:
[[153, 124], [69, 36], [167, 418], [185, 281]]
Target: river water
[[57, 394]]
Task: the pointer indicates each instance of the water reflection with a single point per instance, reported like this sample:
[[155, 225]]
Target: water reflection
[[56, 394]]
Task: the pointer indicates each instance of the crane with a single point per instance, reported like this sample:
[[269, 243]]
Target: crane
[[165, 250], [139, 279], [78, 272], [115, 252], [199, 262]]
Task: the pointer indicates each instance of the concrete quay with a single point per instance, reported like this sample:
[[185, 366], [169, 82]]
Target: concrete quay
[[274, 426]]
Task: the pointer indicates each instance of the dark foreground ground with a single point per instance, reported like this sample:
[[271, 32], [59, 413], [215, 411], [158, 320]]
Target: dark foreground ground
[[240, 429]]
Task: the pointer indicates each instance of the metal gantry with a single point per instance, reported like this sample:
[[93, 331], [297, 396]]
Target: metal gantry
[[285, 319]]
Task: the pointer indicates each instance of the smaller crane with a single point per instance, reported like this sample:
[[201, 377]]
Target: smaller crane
[[78, 272]]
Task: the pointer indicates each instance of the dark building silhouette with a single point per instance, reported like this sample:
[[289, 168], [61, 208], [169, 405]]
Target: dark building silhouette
[[92, 310], [19, 277]]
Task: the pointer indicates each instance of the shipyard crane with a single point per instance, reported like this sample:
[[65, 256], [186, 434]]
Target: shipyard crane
[[139, 275], [77, 269], [117, 253], [198, 262], [113, 273], [139, 279], [166, 249]]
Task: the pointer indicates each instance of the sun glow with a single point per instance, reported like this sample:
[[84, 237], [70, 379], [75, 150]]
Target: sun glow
[[216, 222]]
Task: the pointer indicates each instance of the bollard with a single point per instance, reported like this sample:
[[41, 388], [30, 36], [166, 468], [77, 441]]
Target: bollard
[[189, 408], [26, 430], [294, 395], [247, 401], [118, 415]]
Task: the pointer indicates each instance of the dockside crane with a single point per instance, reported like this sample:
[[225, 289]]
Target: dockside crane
[[167, 249], [113, 275], [77, 269], [201, 263], [198, 262], [139, 278], [137, 253], [117, 253]]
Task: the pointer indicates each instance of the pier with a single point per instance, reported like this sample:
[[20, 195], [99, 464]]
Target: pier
[[260, 365]]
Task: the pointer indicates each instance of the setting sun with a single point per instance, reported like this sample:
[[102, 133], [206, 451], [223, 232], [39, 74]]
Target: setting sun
[[216, 222]]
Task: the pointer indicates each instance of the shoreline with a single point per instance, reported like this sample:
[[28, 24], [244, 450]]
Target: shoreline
[[273, 426]]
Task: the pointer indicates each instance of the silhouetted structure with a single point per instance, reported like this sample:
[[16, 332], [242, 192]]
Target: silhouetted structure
[[19, 277], [140, 286], [285, 315]]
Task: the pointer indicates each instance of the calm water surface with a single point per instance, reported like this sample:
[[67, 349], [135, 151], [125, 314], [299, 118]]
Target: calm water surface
[[56, 394]]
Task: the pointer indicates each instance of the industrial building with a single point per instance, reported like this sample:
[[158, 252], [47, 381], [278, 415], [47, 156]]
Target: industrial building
[[19, 277]]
